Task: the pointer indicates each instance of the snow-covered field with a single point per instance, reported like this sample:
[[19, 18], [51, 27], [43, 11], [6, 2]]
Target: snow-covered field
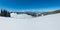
[[49, 22]]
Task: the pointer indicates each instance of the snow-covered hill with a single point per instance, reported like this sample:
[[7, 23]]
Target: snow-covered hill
[[49, 22], [20, 16]]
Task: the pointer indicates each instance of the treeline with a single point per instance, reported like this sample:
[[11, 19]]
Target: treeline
[[6, 13], [52, 12]]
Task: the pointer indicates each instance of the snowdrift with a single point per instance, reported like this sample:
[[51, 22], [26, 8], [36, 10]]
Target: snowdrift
[[49, 22], [20, 16]]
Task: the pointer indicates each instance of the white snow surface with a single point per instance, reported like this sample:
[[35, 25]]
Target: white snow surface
[[20, 16], [49, 22]]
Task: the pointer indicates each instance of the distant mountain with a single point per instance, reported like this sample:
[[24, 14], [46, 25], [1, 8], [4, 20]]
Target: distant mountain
[[32, 13], [35, 14]]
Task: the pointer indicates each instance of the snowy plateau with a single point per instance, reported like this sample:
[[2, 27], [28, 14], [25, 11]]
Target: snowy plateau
[[27, 22]]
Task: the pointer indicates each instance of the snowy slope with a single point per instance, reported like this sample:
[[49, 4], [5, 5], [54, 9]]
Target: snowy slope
[[49, 22]]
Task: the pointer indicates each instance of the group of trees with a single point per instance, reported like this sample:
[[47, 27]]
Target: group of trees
[[52, 12], [4, 13]]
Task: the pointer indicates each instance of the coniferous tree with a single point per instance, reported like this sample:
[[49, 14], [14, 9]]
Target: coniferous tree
[[5, 13]]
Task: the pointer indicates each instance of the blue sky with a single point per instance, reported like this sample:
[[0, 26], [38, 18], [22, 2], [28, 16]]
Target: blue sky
[[29, 4]]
